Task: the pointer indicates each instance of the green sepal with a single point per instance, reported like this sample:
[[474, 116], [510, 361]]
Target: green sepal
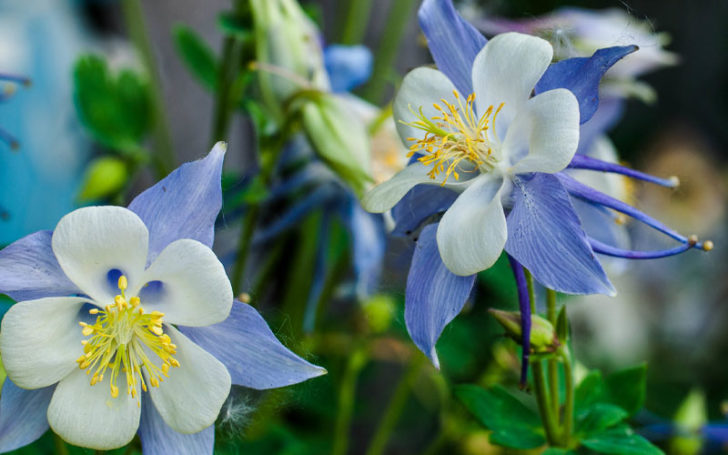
[[232, 24], [621, 441], [197, 56], [562, 326], [512, 423]]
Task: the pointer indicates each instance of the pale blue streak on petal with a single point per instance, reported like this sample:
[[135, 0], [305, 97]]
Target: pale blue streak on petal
[[29, 269], [159, 439], [252, 354], [581, 75], [369, 241], [434, 294], [348, 66], [453, 42], [22, 415], [420, 203], [545, 235], [183, 205]]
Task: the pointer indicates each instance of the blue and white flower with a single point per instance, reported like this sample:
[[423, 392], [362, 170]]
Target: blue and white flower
[[126, 324]]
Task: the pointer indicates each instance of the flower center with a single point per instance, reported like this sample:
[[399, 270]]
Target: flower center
[[119, 341], [454, 136]]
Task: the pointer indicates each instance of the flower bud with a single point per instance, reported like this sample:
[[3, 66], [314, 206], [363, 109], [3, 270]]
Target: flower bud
[[339, 139], [379, 311], [288, 45], [543, 336], [103, 178]]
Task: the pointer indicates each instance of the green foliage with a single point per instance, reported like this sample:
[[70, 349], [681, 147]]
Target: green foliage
[[104, 177], [231, 24], [512, 423], [599, 417], [115, 109], [621, 441], [197, 55], [627, 388]]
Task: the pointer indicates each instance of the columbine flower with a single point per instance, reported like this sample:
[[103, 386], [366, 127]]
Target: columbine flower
[[486, 171], [126, 322]]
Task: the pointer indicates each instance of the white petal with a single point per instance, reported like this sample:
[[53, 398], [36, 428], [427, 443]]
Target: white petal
[[190, 399], [505, 71], [385, 195], [88, 416], [40, 340], [546, 131], [91, 241], [472, 232], [421, 88], [195, 289]]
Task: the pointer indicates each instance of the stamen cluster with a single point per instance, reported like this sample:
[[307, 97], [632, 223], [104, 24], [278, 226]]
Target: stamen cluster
[[120, 339], [455, 135]]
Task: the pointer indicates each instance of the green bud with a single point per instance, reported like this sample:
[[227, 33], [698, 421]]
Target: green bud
[[287, 49], [543, 337], [379, 311], [562, 326], [104, 176], [339, 138]]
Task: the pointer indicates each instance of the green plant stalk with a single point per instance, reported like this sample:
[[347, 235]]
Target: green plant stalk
[[548, 417], [553, 370], [269, 154], [568, 423], [357, 18], [164, 158], [60, 445], [395, 407], [388, 48], [347, 395]]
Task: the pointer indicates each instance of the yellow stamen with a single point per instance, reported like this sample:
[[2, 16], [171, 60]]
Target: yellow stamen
[[122, 339], [455, 136]]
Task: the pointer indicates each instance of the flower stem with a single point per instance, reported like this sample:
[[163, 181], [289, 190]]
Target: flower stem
[[568, 422], [395, 407], [347, 394], [545, 409], [553, 371], [388, 48], [164, 159], [357, 18]]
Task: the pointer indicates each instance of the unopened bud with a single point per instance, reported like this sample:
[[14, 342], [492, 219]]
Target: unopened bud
[[543, 336]]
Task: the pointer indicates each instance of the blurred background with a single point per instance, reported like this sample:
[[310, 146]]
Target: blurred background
[[670, 313]]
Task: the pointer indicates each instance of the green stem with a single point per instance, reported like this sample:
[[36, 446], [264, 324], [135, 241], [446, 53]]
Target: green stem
[[395, 407], [347, 396], [553, 370], [270, 150], [357, 18], [545, 409], [221, 111], [134, 18], [388, 48], [569, 402], [60, 445]]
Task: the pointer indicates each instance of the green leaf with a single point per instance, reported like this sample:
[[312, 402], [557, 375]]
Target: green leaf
[[621, 441], [557, 451], [512, 423], [104, 177], [115, 110], [598, 418], [231, 24], [627, 388], [589, 391], [197, 55]]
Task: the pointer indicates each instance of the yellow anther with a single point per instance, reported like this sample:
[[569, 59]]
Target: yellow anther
[[134, 301], [674, 180], [81, 359], [692, 239], [123, 283], [708, 245], [157, 314], [174, 362], [157, 330], [93, 311], [88, 330], [119, 301], [165, 369], [154, 381], [114, 391]]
